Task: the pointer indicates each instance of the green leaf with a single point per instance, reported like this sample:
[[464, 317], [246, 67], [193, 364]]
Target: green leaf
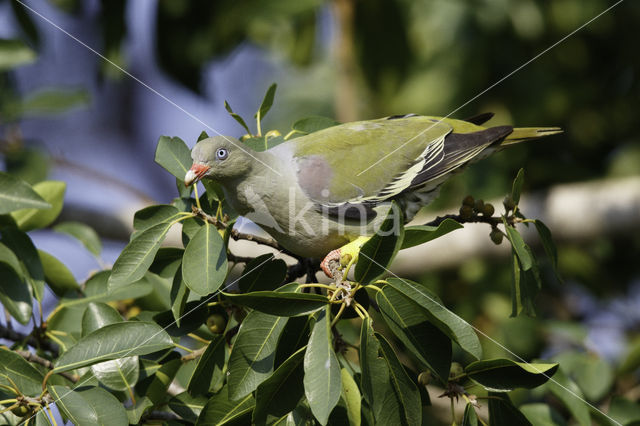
[[114, 341], [188, 407], [156, 387], [541, 414], [262, 143], [83, 233], [420, 234], [195, 315], [15, 295], [411, 325], [352, 398], [22, 246], [377, 389], [179, 295], [567, 391], [236, 117], [52, 101], [53, 193], [525, 286], [281, 303], [57, 275], [15, 53], [263, 273], [203, 135], [93, 406], [313, 124], [593, 375], [137, 256], [251, 360], [322, 382], [204, 265], [222, 409], [135, 413], [154, 215], [281, 392], [174, 156], [16, 194], [294, 336], [377, 254], [548, 244], [267, 102], [119, 374], [624, 411], [517, 186], [470, 417], [9, 258], [97, 315], [448, 322], [519, 246], [209, 370], [503, 413], [405, 389], [26, 377], [503, 375]]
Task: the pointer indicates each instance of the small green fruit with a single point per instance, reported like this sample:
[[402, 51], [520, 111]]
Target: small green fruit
[[21, 411], [496, 236], [488, 210], [466, 212], [216, 323], [478, 206], [424, 378], [468, 201]]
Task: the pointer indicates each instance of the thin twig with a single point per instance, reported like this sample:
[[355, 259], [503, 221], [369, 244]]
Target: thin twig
[[45, 363], [15, 336]]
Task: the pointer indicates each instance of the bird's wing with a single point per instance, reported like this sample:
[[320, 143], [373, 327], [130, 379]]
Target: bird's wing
[[367, 162]]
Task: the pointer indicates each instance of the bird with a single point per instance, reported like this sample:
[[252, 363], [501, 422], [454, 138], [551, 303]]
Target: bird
[[323, 195]]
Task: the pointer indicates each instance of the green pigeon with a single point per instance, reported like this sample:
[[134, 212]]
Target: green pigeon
[[324, 194]]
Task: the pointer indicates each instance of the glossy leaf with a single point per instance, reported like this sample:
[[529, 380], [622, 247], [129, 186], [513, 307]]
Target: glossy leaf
[[15, 53], [236, 117], [420, 234], [294, 336], [96, 291], [179, 295], [204, 265], [253, 353], [114, 341], [377, 254], [119, 374], [153, 215], [525, 286], [8, 257], [503, 413], [174, 156], [470, 418], [57, 275], [53, 193], [83, 233], [352, 398], [26, 377], [135, 413], [15, 295], [503, 375], [22, 246], [195, 314], [405, 390], [262, 273], [541, 414], [448, 322], [430, 346], [222, 408], [16, 194], [313, 124], [374, 380], [281, 392], [97, 315], [281, 303], [188, 407], [93, 406], [203, 135], [137, 256], [519, 247], [517, 186], [156, 388], [209, 369], [322, 382], [267, 102]]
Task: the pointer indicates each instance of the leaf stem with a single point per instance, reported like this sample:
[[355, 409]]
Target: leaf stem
[[195, 192], [184, 348], [318, 285], [53, 419], [7, 401], [338, 315]]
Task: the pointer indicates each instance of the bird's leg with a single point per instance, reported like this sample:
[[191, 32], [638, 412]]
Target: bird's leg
[[341, 260]]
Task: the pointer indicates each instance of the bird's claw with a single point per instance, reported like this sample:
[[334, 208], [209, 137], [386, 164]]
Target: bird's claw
[[330, 265]]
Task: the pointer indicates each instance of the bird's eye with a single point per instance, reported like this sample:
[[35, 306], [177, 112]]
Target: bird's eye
[[222, 154]]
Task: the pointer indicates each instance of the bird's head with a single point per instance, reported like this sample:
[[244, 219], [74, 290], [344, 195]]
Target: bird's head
[[220, 158]]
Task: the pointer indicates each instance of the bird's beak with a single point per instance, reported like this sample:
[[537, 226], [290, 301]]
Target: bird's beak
[[195, 173]]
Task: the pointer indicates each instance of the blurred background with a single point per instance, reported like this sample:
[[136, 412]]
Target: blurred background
[[68, 114]]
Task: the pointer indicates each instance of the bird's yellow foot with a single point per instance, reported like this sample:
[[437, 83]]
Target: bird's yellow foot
[[343, 258]]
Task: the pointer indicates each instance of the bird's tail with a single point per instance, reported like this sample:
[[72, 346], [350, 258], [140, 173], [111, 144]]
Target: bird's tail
[[523, 134]]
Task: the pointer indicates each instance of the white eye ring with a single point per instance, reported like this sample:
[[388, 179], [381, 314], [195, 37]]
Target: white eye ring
[[222, 154]]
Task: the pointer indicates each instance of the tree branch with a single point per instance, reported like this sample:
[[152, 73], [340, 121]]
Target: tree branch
[[15, 336], [45, 363]]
